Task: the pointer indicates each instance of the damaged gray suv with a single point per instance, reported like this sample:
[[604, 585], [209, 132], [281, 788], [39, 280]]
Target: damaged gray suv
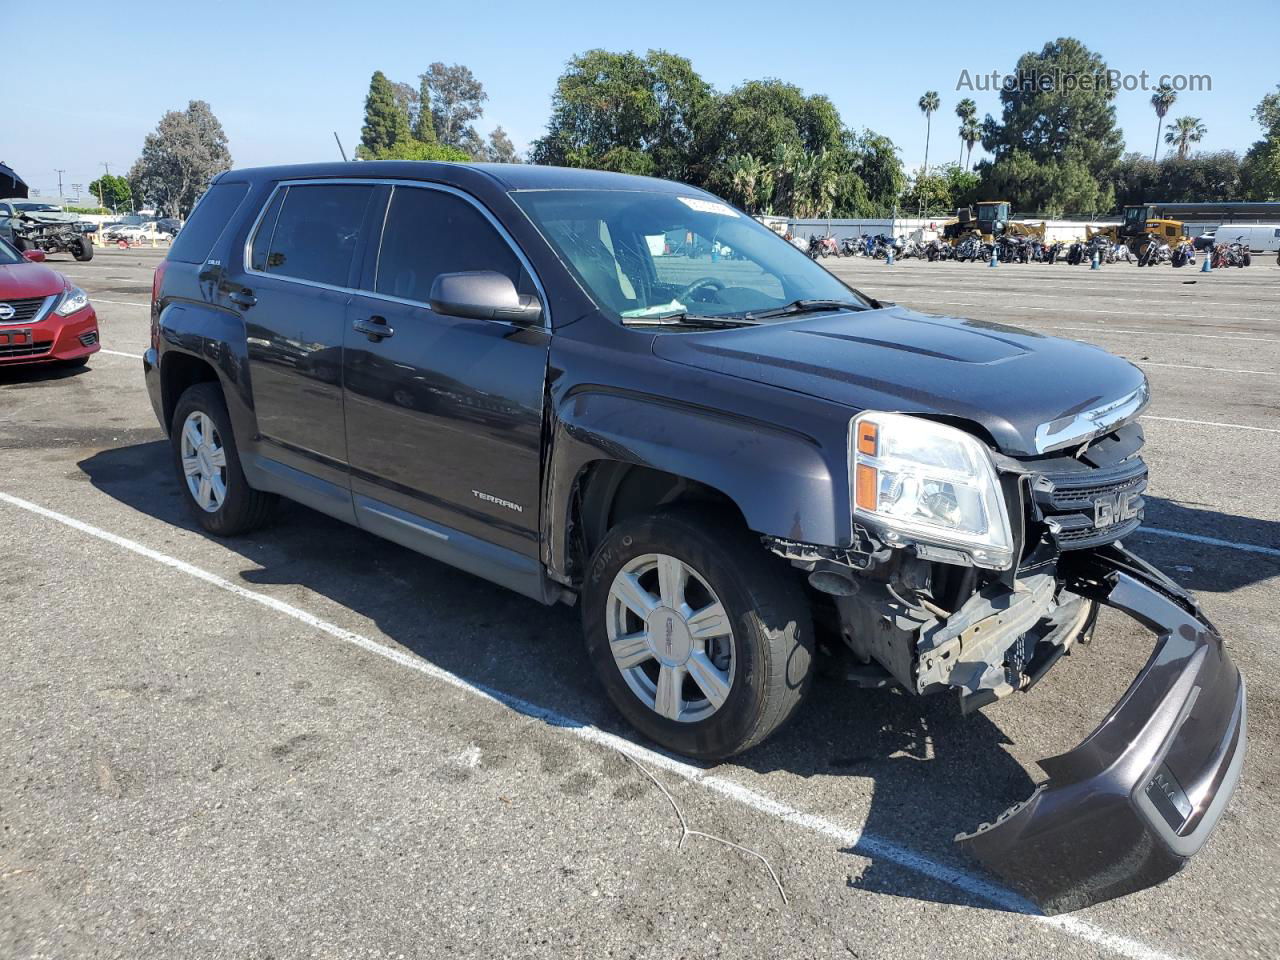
[[626, 394]]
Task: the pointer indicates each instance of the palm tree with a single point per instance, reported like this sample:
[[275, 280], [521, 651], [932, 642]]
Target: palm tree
[[967, 111], [1184, 132], [970, 133], [928, 105], [1161, 101], [743, 171]]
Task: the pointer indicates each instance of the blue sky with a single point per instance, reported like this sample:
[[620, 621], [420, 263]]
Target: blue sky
[[282, 76]]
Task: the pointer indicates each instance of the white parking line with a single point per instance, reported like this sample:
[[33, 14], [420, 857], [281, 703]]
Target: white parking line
[[1212, 423], [1211, 541], [1196, 366], [864, 844], [1121, 312], [1164, 333], [117, 353], [94, 298]]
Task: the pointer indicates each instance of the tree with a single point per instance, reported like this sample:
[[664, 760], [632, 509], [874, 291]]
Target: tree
[[407, 99], [1261, 171], [424, 127], [748, 182], [386, 123], [187, 149], [500, 148], [624, 112], [457, 98], [970, 133], [112, 191], [415, 149], [967, 111], [1055, 145], [876, 162], [1200, 177], [1185, 131], [1161, 101], [928, 105]]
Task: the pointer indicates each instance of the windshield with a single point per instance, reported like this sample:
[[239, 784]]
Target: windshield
[[38, 207], [9, 254], [645, 255]]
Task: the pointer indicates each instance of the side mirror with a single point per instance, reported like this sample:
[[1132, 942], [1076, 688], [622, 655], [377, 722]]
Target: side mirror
[[35, 256], [483, 295]]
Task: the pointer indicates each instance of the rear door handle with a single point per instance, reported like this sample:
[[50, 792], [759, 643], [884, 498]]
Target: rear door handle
[[242, 298], [375, 328]]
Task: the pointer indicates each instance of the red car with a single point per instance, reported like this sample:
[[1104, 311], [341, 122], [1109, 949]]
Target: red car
[[44, 318]]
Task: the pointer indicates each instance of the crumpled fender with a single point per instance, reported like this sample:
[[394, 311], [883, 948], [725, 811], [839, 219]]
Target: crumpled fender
[[1129, 806]]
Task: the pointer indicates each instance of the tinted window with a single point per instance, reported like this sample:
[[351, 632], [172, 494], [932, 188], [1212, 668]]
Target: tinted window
[[317, 231], [207, 222], [430, 232], [266, 230]]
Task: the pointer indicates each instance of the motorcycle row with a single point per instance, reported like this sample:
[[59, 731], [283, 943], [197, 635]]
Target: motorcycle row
[[1012, 248]]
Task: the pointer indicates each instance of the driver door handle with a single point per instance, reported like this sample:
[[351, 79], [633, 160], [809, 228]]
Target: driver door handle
[[375, 328], [242, 298]]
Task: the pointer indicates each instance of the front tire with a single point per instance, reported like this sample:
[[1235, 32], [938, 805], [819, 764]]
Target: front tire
[[208, 465], [82, 250], [702, 640]]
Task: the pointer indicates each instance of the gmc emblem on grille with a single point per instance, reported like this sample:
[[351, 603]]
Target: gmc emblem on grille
[[1114, 508]]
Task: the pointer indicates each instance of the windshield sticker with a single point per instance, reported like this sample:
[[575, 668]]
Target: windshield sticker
[[708, 206]]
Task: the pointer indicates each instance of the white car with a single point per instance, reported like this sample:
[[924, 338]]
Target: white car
[[138, 233]]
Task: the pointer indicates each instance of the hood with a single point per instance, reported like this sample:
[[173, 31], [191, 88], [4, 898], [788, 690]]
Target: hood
[[48, 216], [1025, 389], [21, 280]]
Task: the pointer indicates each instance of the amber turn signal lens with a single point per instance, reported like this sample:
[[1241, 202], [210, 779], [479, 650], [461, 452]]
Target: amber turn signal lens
[[867, 434], [865, 484]]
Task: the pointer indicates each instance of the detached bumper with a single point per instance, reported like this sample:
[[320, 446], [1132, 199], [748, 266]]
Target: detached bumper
[[1130, 805]]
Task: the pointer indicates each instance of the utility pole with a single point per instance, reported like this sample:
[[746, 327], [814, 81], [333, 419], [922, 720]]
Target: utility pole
[[59, 173]]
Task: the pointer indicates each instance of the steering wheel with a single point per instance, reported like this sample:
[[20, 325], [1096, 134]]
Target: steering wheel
[[710, 283]]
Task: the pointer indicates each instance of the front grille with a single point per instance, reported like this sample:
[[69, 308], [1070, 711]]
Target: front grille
[[25, 310], [1072, 497], [25, 349], [89, 339]]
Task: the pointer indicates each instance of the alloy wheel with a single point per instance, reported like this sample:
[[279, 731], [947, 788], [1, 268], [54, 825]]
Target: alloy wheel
[[670, 637], [204, 462]]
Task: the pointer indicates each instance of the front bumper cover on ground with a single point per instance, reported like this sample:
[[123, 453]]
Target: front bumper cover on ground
[[1130, 805]]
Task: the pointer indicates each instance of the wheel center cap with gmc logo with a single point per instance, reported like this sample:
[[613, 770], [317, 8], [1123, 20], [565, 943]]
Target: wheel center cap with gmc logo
[[669, 637]]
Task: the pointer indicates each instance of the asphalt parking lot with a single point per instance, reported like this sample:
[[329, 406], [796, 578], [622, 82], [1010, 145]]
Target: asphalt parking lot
[[311, 743]]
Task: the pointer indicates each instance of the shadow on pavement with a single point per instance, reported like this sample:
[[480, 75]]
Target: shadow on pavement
[[35, 373], [932, 773], [1204, 567]]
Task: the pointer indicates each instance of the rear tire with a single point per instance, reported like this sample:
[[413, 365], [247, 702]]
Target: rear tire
[[238, 508], [763, 650]]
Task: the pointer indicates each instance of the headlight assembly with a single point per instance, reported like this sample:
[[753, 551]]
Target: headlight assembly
[[916, 481], [73, 300]]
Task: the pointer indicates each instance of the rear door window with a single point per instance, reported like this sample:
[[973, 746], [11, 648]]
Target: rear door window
[[210, 217], [429, 232], [315, 233]]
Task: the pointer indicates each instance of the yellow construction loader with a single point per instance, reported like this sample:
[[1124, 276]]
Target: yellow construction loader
[[1141, 222]]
